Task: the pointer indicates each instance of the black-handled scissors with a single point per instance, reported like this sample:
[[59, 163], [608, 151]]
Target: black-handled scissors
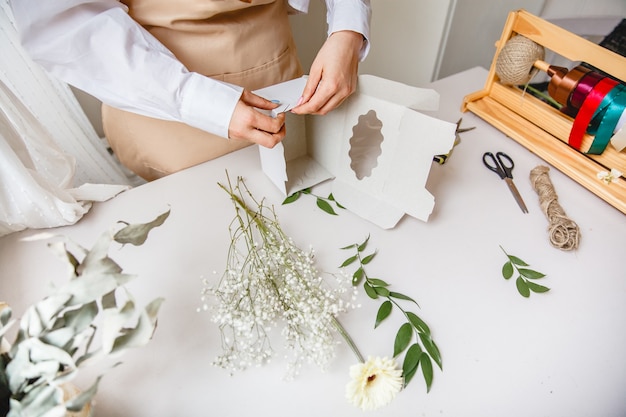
[[505, 171]]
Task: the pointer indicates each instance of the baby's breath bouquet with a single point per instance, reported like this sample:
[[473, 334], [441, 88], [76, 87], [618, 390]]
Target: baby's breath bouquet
[[88, 318], [268, 280]]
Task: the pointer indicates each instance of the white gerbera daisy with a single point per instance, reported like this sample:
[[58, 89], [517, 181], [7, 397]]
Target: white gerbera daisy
[[374, 383]]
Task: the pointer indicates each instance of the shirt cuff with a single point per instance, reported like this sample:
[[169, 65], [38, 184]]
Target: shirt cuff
[[344, 17], [208, 104]]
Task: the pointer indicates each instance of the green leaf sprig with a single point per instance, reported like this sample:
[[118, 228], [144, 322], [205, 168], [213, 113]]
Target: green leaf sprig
[[525, 276], [325, 203], [422, 349]]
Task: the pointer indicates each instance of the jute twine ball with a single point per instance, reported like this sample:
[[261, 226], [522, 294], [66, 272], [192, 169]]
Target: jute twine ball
[[514, 64]]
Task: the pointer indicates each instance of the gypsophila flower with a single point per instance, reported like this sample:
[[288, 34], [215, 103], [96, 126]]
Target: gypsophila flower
[[609, 177], [374, 383], [269, 280]]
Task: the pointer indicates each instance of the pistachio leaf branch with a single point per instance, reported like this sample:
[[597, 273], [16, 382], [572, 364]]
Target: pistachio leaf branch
[[324, 203], [414, 336], [525, 276]]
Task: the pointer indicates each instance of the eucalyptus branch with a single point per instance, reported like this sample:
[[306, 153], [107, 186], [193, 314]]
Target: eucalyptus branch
[[324, 203], [421, 350], [525, 276]]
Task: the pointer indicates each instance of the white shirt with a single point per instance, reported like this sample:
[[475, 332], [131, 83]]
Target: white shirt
[[97, 47]]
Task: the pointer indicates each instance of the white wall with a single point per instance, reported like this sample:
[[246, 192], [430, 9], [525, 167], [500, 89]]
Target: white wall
[[476, 26], [406, 37]]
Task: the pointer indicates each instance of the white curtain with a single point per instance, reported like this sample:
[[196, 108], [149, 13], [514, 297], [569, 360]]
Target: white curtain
[[52, 162]]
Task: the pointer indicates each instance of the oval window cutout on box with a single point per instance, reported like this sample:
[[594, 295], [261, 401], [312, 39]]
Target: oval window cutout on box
[[365, 144]]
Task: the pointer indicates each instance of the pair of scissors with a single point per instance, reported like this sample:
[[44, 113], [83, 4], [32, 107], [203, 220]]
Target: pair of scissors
[[496, 163]]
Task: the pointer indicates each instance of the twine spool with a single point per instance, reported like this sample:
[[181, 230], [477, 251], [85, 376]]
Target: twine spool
[[563, 232], [515, 64]]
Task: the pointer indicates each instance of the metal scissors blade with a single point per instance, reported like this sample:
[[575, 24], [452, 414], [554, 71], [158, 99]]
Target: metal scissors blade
[[516, 194], [496, 163]]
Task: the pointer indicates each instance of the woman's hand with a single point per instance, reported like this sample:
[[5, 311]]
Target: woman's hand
[[254, 126], [333, 74]]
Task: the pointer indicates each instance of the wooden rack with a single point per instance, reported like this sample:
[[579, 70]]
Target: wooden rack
[[538, 126]]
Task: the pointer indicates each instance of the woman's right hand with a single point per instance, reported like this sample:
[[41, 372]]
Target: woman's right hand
[[250, 124]]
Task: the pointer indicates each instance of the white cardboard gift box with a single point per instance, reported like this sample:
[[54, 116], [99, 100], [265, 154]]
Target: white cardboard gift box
[[377, 146]]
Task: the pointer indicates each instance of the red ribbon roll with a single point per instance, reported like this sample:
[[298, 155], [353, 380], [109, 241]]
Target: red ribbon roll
[[587, 110]]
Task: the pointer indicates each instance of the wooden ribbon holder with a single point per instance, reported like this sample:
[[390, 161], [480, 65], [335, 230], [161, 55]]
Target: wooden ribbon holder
[[540, 127]]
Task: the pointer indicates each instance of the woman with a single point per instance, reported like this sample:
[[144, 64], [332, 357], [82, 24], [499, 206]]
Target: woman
[[176, 77]]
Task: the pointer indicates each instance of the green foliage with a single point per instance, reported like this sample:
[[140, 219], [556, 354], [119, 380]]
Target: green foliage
[[525, 276], [60, 333], [413, 338], [326, 204]]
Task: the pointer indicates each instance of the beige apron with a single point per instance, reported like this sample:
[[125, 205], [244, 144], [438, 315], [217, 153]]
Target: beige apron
[[248, 43]]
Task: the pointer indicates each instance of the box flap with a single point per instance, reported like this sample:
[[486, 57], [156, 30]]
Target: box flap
[[385, 158], [420, 99]]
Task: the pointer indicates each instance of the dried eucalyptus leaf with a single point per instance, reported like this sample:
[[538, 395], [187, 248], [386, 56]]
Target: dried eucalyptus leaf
[[60, 250], [31, 324], [48, 308], [93, 286], [142, 333], [60, 338], [136, 234], [97, 258], [113, 321], [5, 314], [80, 318], [79, 402], [43, 401], [34, 359], [5, 328]]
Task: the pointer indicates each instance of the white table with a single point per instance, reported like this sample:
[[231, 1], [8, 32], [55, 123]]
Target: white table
[[554, 354]]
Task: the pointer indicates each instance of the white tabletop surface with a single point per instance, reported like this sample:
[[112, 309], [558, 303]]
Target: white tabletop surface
[[555, 354]]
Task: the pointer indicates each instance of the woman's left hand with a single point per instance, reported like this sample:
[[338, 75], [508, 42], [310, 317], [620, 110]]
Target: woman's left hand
[[333, 74]]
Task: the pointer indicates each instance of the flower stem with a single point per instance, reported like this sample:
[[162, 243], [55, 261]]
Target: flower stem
[[342, 331]]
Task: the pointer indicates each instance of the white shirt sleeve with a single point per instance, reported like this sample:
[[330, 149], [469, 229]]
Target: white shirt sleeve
[[354, 15], [97, 47]]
